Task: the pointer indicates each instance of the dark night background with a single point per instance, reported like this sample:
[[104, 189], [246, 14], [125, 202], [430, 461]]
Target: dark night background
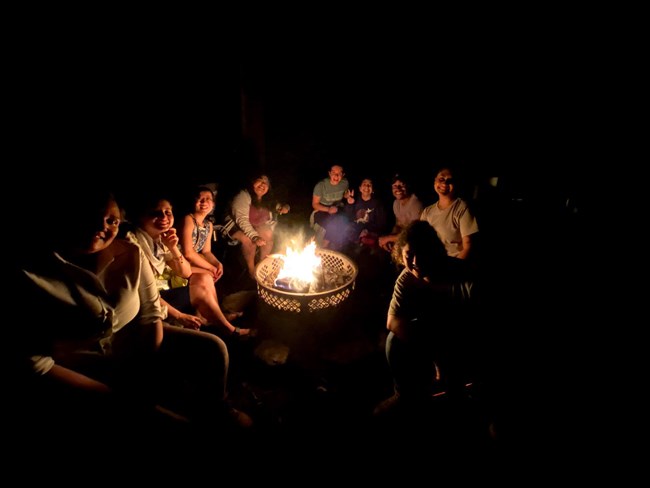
[[496, 111], [178, 117]]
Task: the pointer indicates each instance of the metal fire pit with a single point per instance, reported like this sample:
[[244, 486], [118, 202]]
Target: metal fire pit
[[267, 271]]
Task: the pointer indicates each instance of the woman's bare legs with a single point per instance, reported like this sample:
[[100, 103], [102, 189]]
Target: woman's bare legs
[[266, 233], [249, 248], [203, 296]]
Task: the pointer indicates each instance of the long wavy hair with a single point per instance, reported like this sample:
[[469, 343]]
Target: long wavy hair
[[424, 242]]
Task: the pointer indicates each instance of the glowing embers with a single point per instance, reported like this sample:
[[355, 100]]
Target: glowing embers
[[310, 279]]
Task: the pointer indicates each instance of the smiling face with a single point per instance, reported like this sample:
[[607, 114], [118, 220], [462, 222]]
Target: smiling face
[[100, 234], [336, 174], [261, 187], [409, 259], [204, 202], [365, 188], [400, 190], [158, 220], [444, 183]]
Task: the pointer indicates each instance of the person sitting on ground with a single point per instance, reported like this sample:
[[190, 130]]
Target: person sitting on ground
[[328, 198], [196, 245], [454, 223], [424, 317], [407, 208], [251, 220], [96, 356], [367, 216], [190, 299]]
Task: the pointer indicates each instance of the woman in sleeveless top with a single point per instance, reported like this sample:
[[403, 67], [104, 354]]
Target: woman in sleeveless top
[[196, 246]]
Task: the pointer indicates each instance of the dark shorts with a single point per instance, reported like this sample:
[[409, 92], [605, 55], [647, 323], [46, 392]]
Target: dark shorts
[[179, 298]]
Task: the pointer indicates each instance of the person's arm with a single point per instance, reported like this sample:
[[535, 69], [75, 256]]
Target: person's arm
[[468, 230], [196, 259], [207, 254], [73, 379], [397, 326], [316, 201], [150, 313], [179, 265], [241, 207], [348, 197], [467, 246], [185, 320], [387, 242], [316, 205]]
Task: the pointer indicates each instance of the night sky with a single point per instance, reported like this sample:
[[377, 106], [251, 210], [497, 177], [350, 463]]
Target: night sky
[[155, 117]]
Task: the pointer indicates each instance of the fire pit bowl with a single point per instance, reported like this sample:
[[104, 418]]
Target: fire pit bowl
[[289, 301]]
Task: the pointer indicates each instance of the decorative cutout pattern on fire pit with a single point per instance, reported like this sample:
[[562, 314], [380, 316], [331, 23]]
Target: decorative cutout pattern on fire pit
[[339, 266]]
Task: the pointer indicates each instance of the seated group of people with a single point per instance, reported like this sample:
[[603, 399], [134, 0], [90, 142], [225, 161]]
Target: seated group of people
[[95, 348], [113, 297], [429, 311], [345, 219], [135, 321]]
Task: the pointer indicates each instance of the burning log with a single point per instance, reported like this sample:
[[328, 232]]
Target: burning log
[[306, 280], [290, 284]]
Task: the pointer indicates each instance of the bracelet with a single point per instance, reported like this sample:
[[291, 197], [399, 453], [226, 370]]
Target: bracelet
[[178, 258]]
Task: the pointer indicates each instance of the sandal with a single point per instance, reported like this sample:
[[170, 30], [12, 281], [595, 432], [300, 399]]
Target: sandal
[[230, 316], [237, 333]]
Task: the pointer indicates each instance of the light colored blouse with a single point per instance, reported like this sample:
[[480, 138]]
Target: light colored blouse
[[82, 310]]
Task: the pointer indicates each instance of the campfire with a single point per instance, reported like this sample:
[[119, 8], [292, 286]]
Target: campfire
[[308, 279]]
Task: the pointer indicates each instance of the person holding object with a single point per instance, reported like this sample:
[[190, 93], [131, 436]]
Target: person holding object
[[251, 220]]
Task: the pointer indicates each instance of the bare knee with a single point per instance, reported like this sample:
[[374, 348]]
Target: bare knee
[[201, 280]]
